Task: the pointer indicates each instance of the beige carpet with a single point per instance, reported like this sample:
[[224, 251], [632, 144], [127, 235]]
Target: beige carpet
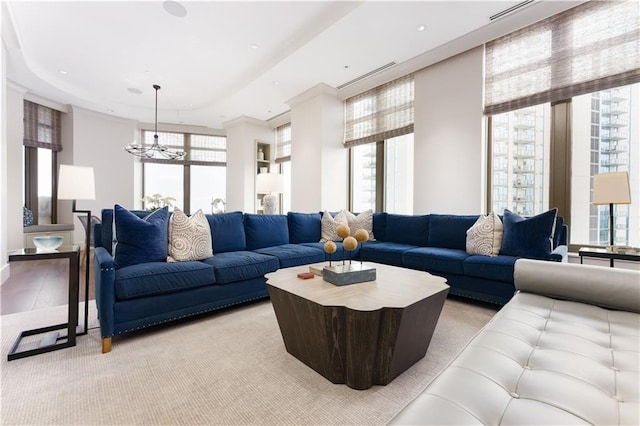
[[230, 367]]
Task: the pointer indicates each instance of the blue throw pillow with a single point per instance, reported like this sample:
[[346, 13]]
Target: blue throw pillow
[[265, 230], [407, 229], [139, 240], [304, 227], [528, 237], [227, 232]]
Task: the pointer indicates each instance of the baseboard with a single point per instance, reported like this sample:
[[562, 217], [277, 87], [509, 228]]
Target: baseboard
[[5, 273]]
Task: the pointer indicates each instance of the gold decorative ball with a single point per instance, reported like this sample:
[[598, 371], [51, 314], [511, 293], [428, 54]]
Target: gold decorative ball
[[350, 243], [343, 231], [330, 247], [361, 235]]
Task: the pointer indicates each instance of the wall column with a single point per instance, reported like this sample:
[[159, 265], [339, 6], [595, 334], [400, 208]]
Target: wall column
[[242, 134], [319, 166]]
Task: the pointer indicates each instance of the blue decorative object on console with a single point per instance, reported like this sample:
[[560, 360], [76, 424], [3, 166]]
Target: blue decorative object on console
[[528, 237], [27, 216], [140, 240]]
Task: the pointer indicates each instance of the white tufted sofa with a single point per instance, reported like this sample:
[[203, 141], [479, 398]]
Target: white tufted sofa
[[564, 351]]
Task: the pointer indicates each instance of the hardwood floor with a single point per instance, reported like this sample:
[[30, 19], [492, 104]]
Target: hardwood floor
[[40, 284]]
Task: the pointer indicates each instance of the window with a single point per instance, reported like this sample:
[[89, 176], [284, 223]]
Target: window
[[387, 167], [520, 160], [588, 70], [606, 138], [283, 157], [379, 133], [42, 142], [197, 179]]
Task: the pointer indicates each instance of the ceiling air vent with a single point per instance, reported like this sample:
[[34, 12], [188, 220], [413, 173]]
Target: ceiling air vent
[[369, 74], [510, 10]]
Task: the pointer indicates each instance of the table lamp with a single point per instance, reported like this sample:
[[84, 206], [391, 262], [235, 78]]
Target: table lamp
[[611, 188], [77, 183], [270, 184]]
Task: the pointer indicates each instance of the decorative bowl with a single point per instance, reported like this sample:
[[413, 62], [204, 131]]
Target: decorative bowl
[[48, 242]]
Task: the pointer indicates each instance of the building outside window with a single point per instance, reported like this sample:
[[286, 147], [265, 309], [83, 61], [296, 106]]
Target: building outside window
[[520, 165]]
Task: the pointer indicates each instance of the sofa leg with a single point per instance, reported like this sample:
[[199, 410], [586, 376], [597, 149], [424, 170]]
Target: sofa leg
[[106, 345]]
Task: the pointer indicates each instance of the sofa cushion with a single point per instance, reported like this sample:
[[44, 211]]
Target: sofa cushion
[[227, 232], [406, 229], [485, 236], [557, 232], [449, 231], [189, 237], [265, 230], [304, 227], [235, 266], [106, 236], [147, 279], [294, 254], [330, 223], [388, 253], [363, 220], [139, 240], [497, 268], [380, 226], [436, 259], [528, 237]]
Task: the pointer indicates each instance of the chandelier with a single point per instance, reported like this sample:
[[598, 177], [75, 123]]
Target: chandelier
[[156, 150]]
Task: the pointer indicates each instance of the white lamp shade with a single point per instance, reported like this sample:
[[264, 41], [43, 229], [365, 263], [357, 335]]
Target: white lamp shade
[[269, 183], [76, 183], [611, 188]]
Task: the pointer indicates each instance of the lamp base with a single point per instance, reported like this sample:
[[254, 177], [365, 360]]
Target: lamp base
[[270, 204]]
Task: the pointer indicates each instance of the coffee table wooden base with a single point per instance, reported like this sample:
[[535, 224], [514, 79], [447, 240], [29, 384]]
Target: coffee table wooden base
[[358, 348]]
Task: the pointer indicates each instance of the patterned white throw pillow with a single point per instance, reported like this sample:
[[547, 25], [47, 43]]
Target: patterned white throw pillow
[[329, 225], [485, 236], [189, 237], [363, 220]]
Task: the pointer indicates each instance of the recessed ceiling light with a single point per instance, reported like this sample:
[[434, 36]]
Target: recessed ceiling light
[[174, 8], [254, 46], [275, 83], [63, 72], [421, 28], [134, 90], [147, 72]]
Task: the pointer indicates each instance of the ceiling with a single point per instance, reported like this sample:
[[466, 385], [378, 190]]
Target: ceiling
[[235, 58]]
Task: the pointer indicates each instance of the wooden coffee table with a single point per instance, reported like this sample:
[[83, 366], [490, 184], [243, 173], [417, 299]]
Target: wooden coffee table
[[360, 334]]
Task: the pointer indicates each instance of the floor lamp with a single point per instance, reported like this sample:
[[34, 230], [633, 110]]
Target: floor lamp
[[611, 188], [77, 183]]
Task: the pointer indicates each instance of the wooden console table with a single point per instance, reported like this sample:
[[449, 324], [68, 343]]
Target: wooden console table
[[360, 334], [52, 341]]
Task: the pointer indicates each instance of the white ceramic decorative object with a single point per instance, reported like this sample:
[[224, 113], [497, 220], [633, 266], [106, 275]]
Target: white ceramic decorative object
[[48, 242]]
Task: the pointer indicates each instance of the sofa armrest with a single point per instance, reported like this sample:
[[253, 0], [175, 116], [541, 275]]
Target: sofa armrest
[[560, 254], [612, 288], [105, 276]]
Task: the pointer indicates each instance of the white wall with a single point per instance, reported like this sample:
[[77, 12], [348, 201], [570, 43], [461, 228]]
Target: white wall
[[242, 134], [4, 265], [449, 136], [319, 168], [15, 167], [98, 142]]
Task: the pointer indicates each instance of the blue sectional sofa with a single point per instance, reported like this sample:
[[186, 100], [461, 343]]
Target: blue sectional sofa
[[248, 246]]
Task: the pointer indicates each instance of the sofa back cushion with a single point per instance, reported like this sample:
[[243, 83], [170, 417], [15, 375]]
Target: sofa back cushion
[[265, 230], [380, 226], [528, 237], [406, 229], [449, 231], [227, 232], [106, 237], [139, 240], [560, 233], [303, 227]]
